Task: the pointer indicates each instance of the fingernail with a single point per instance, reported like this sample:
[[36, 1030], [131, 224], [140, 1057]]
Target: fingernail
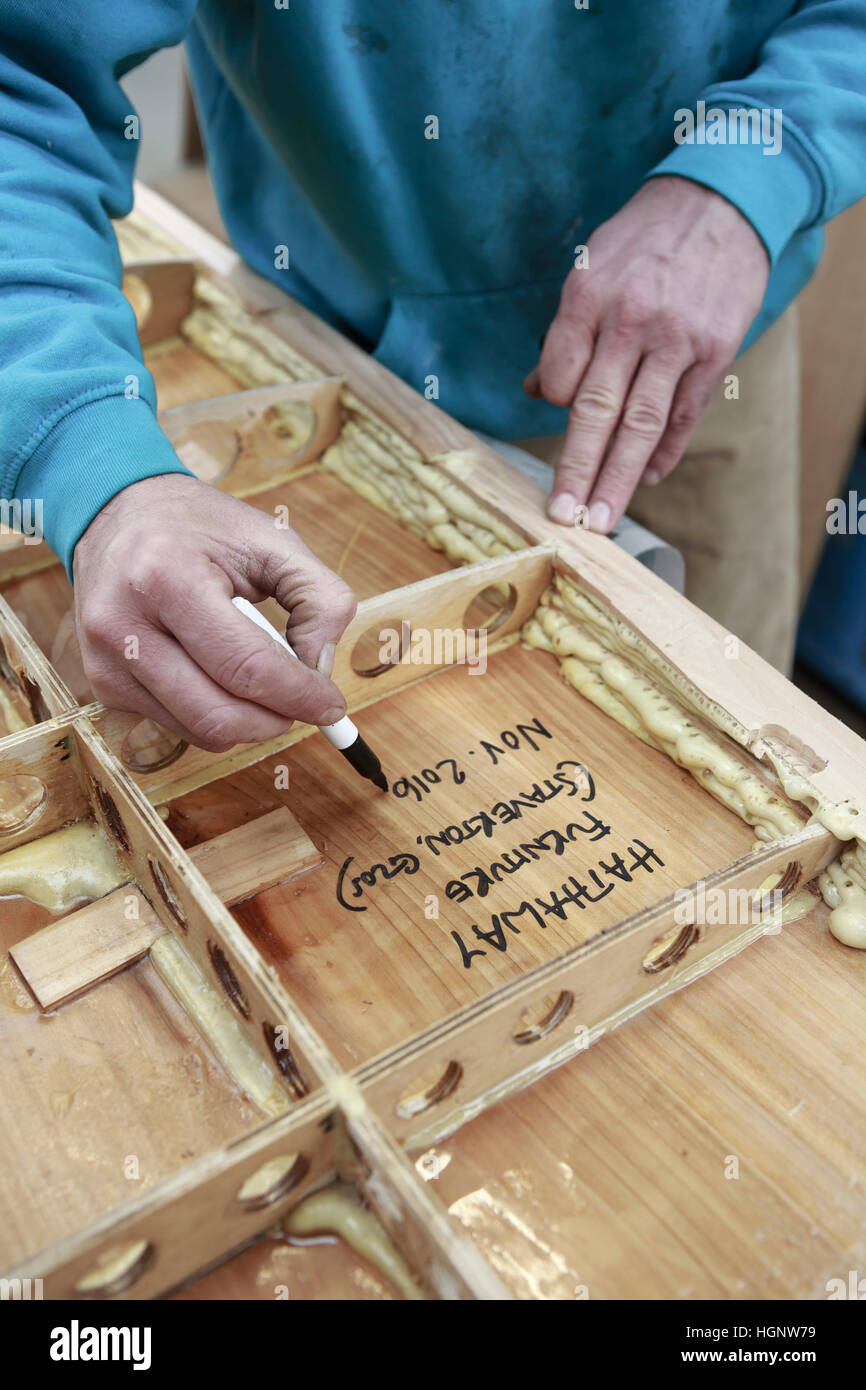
[[325, 663], [331, 716], [599, 516], [651, 476], [562, 508]]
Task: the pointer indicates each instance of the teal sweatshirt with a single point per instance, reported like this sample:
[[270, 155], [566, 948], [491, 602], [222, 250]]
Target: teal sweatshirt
[[430, 166]]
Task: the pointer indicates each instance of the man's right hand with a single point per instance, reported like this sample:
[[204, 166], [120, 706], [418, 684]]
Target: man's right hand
[[160, 564]]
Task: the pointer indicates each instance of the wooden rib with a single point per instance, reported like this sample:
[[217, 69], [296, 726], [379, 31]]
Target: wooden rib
[[62, 960], [36, 686], [260, 458], [437, 1251], [606, 977], [48, 752], [169, 288], [188, 906], [438, 603], [194, 1218]]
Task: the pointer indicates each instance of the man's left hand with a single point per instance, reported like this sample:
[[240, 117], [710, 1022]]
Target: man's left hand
[[642, 337]]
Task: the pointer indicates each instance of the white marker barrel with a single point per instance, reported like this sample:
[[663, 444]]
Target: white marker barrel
[[342, 734]]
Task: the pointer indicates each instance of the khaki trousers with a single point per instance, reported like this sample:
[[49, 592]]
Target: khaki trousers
[[731, 504]]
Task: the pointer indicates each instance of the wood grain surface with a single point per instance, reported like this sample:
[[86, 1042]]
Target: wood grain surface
[[115, 1084], [367, 979], [612, 1178]]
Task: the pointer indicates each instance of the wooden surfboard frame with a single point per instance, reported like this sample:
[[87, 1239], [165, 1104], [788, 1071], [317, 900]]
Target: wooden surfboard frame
[[364, 1122]]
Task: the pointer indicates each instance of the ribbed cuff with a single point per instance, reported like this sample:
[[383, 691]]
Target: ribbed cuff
[[778, 193], [89, 455]]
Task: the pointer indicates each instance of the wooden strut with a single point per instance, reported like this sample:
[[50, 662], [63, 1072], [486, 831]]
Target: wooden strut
[[230, 443], [61, 961]]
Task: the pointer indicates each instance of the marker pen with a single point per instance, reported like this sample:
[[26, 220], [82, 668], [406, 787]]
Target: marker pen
[[344, 734]]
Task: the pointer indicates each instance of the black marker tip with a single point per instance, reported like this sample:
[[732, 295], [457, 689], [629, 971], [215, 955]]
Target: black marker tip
[[364, 760]]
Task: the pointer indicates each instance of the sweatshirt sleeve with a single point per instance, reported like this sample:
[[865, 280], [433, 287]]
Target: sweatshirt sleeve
[[77, 407], [810, 79]]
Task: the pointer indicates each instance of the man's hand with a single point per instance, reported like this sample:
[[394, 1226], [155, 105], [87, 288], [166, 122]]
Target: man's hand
[[160, 564], [642, 337]]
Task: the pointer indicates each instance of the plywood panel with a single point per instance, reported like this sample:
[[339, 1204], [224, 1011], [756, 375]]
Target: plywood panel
[[370, 978], [118, 1082], [616, 1174], [181, 374]]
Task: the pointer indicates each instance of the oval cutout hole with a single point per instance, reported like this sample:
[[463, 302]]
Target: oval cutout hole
[[148, 747], [381, 647], [787, 882], [670, 948], [110, 814], [157, 873], [22, 801], [273, 1181], [542, 1018], [284, 429], [228, 979], [491, 608], [8, 672], [117, 1270], [423, 1094], [209, 450], [277, 1041], [36, 700]]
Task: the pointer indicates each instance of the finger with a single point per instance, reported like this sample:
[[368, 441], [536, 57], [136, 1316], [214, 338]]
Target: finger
[[568, 347], [532, 384], [126, 693], [640, 429], [321, 604], [691, 398], [592, 419], [210, 717], [237, 655]]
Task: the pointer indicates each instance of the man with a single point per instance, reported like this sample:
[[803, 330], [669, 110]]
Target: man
[[434, 171]]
